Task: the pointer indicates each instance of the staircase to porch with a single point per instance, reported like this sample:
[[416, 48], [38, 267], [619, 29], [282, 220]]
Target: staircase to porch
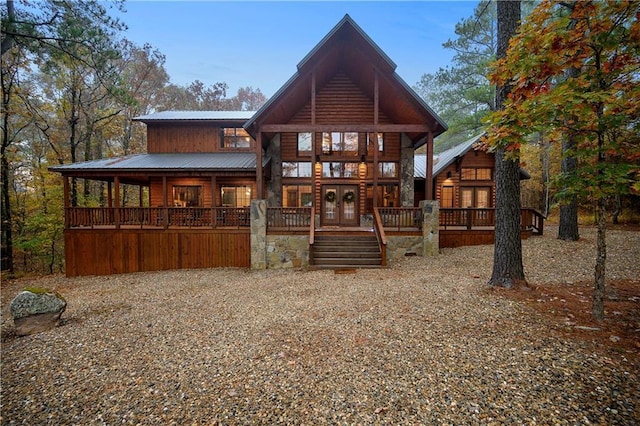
[[345, 250]]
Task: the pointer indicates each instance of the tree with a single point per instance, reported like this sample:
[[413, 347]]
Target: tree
[[461, 93], [508, 270], [600, 106]]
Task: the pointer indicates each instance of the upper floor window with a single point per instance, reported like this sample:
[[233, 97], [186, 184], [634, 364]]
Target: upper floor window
[[371, 138], [234, 137], [387, 169], [292, 169], [481, 173], [304, 143], [340, 143], [339, 170]]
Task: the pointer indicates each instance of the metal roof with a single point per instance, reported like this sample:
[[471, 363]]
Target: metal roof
[[442, 160], [228, 161], [196, 116]]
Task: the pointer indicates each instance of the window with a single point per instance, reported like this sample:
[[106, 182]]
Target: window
[[371, 139], [340, 170], [446, 198], [187, 196], [236, 196], [475, 197], [388, 170], [296, 169], [475, 174], [234, 137], [297, 196], [340, 143], [304, 143]]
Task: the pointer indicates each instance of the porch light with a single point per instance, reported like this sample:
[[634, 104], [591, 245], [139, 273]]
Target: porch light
[[363, 159], [317, 158], [449, 175]]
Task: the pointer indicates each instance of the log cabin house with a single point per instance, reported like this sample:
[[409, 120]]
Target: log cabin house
[[322, 176]]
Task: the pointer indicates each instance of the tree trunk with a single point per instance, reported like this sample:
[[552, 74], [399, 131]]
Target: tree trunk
[[601, 257], [508, 270]]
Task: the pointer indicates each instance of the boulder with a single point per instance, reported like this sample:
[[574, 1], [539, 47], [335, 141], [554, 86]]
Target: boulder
[[36, 310]]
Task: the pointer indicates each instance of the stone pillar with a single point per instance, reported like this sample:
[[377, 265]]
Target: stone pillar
[[258, 234], [274, 185], [406, 172], [430, 227]]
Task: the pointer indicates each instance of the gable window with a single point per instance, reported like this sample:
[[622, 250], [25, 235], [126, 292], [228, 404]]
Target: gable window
[[187, 196], [481, 173], [340, 143], [292, 169], [234, 137], [236, 196], [304, 144], [371, 138]]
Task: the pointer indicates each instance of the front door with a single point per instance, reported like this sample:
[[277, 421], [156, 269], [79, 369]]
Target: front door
[[340, 205]]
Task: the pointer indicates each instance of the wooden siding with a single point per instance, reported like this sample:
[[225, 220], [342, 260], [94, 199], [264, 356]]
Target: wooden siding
[[108, 251], [156, 189], [185, 137], [472, 159], [451, 238]]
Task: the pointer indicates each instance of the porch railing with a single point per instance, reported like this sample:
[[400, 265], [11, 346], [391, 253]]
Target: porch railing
[[154, 217], [289, 218], [401, 218], [474, 218]]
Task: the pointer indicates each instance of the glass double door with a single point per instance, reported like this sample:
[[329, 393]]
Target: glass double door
[[340, 205]]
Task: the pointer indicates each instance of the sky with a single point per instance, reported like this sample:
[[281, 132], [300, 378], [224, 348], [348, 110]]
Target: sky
[[259, 44]]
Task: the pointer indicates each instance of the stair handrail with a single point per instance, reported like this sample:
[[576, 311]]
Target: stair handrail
[[380, 235]]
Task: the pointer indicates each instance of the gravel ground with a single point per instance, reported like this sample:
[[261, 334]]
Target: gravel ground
[[422, 342]]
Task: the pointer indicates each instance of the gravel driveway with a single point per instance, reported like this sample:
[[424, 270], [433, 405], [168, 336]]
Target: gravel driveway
[[422, 342]]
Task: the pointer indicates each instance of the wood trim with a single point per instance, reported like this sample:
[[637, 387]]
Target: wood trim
[[361, 128]]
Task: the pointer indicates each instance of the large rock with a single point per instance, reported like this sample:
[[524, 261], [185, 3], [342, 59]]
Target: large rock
[[36, 310]]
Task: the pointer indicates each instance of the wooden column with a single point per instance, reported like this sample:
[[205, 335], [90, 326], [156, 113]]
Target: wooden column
[[116, 212], [213, 201], [315, 192], [428, 179], [165, 214], [109, 195], [376, 109], [259, 179]]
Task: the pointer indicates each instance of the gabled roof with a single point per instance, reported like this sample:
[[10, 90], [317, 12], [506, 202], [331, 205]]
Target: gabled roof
[[329, 55], [218, 161], [444, 159], [215, 116]]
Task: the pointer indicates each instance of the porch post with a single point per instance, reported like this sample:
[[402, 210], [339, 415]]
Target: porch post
[[259, 182], [213, 201], [116, 213], [430, 227], [376, 101], [428, 179], [165, 215]]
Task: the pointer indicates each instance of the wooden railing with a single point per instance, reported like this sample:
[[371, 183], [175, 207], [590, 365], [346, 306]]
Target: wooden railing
[[289, 218], [378, 227], [473, 218], [154, 217], [401, 218]]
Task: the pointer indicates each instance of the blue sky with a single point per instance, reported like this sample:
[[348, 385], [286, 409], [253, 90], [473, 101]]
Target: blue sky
[[259, 44]]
